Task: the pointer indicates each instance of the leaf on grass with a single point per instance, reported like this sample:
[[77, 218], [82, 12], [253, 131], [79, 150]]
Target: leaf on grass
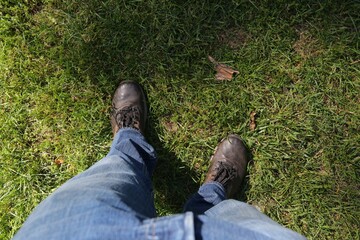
[[253, 116], [223, 72], [59, 162]]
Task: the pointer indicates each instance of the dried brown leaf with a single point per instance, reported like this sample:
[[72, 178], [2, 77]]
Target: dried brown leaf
[[223, 71], [253, 116], [59, 162]]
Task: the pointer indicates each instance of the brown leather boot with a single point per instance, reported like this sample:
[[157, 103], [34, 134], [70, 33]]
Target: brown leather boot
[[228, 164], [128, 107]]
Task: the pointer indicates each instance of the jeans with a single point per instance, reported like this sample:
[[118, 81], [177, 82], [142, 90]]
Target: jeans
[[113, 199]]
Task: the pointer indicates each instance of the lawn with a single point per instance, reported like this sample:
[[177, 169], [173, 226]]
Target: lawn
[[298, 63]]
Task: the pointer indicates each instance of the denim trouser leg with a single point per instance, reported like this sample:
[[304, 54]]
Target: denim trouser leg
[[208, 195], [116, 192], [236, 218], [242, 218], [232, 211], [113, 199]]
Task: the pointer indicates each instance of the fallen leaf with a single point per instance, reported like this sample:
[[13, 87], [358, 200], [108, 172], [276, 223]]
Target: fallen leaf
[[223, 72], [59, 162], [253, 116]]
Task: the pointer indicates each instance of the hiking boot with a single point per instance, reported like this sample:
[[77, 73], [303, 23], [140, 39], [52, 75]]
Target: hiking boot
[[128, 107], [228, 164]]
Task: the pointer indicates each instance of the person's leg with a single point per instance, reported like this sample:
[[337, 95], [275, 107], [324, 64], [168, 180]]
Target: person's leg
[[114, 194], [231, 219], [208, 195], [232, 211], [225, 175], [127, 169], [116, 189], [218, 217]]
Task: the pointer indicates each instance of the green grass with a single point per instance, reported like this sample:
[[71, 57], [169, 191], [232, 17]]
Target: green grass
[[60, 62]]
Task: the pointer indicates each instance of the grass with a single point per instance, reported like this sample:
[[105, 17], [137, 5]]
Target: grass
[[60, 62]]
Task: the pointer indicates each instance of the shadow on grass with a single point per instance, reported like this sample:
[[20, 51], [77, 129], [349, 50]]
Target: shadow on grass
[[142, 39], [110, 41], [173, 180]]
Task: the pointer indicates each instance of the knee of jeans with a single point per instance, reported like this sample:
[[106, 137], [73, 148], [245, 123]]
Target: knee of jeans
[[229, 207], [233, 203]]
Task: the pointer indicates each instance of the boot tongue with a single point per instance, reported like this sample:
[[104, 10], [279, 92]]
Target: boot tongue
[[225, 173]]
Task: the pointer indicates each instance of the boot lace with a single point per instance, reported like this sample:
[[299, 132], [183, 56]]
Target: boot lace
[[127, 117], [224, 173]]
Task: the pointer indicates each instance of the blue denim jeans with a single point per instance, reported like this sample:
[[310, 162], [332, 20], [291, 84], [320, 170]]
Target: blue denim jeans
[[113, 199]]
